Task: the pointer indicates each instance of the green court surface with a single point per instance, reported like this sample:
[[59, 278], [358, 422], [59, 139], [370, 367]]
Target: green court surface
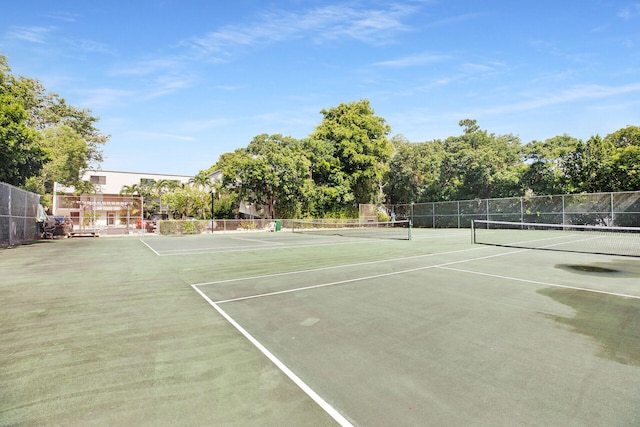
[[280, 329]]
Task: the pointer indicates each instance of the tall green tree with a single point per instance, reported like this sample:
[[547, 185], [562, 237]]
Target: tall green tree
[[66, 153], [358, 141], [48, 109], [590, 165], [21, 155], [201, 180], [414, 171], [480, 165], [38, 127], [188, 202], [625, 161], [549, 165], [273, 172]]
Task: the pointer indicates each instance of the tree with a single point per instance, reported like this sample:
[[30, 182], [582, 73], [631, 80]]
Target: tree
[[480, 165], [625, 137], [549, 167], [272, 172], [37, 127], [67, 154], [590, 165], [625, 161], [201, 180], [22, 156], [414, 171], [357, 140], [188, 202], [47, 109]]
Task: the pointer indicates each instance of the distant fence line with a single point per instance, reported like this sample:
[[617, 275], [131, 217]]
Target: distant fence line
[[98, 210], [18, 212], [604, 209], [170, 227]]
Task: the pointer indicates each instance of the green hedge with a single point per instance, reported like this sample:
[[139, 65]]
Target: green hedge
[[180, 227]]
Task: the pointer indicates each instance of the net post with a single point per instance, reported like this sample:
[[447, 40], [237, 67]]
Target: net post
[[473, 231], [410, 227]]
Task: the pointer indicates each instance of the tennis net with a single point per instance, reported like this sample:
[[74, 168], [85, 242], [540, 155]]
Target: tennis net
[[604, 240], [398, 230]]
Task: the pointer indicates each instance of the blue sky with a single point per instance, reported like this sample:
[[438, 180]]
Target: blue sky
[[177, 83]]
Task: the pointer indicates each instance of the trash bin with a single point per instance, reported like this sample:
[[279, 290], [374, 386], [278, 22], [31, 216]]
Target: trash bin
[[278, 225]]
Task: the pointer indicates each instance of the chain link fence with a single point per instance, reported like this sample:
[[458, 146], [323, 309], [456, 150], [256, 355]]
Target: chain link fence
[[101, 212], [18, 212], [605, 209]]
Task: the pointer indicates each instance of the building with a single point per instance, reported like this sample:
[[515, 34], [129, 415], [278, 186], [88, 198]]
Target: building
[[105, 207]]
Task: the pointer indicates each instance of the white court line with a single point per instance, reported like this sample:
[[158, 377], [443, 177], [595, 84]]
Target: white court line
[[288, 372], [418, 236], [256, 240], [536, 282], [311, 270], [150, 248], [191, 251], [358, 279]]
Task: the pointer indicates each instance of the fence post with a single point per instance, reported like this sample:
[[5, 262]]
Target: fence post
[[433, 214], [10, 217], [411, 212], [613, 221]]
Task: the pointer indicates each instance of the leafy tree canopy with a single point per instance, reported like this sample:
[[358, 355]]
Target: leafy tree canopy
[[357, 140], [38, 128]]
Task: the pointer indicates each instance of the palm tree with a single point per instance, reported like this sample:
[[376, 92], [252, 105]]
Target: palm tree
[[201, 181], [130, 190]]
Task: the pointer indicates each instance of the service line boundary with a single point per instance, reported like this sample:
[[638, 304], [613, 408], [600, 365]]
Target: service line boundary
[[445, 265], [330, 410], [332, 267], [273, 245]]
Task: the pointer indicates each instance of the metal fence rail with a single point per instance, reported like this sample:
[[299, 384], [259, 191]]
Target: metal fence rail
[[18, 212], [608, 209], [93, 211]]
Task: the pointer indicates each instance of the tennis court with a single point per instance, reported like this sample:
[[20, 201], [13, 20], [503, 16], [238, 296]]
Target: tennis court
[[296, 329]]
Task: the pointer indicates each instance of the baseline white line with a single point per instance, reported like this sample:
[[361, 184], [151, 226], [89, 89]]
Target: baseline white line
[[312, 270], [288, 372], [150, 248], [358, 279], [536, 282]]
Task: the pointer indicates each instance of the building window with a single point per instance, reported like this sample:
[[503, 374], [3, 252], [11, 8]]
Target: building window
[[99, 179]]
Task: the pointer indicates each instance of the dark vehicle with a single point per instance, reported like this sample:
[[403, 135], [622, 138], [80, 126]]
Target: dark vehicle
[[57, 226], [150, 224]]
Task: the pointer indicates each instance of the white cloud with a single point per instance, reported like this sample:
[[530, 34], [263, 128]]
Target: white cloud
[[414, 60], [94, 47], [325, 23], [575, 93], [148, 67], [106, 97], [64, 16], [630, 12], [30, 34], [156, 136]]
